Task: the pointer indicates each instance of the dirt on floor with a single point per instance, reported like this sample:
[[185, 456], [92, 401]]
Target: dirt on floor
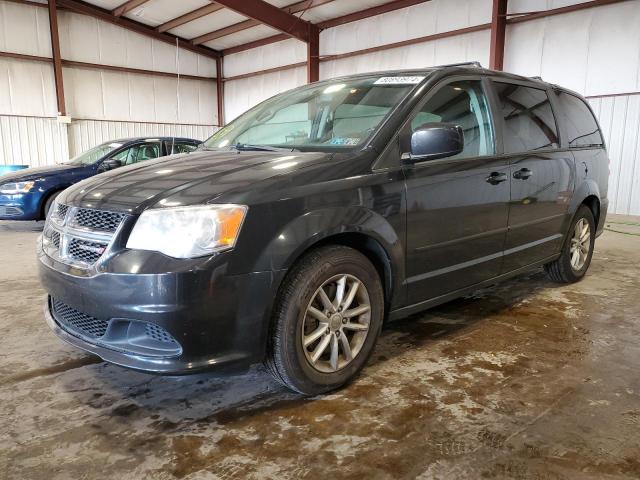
[[526, 380]]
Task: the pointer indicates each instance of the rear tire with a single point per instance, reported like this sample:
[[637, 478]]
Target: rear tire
[[577, 251], [327, 319], [49, 203]]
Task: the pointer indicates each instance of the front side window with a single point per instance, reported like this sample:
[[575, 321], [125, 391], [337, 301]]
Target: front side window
[[96, 153], [461, 103], [339, 114], [529, 123], [138, 153], [579, 123]]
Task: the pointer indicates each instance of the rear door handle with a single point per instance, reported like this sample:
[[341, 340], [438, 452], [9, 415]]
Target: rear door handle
[[522, 174], [495, 178]]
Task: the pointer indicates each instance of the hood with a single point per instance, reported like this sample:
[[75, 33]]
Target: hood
[[195, 178], [36, 173]]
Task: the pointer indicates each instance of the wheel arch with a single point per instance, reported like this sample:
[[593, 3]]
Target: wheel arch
[[357, 227], [46, 196]]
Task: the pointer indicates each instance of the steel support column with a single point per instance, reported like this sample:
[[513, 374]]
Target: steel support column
[[313, 54], [220, 90], [498, 31], [57, 60]]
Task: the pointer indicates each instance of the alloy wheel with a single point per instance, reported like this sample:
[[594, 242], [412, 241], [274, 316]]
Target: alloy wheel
[[580, 244], [336, 323]]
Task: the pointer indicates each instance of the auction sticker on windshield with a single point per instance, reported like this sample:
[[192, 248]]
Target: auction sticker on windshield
[[399, 80]]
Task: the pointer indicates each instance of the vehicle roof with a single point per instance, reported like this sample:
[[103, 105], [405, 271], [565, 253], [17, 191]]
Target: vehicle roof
[[124, 141], [469, 68]]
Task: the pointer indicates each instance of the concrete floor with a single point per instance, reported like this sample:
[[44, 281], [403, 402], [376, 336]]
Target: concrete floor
[[529, 380]]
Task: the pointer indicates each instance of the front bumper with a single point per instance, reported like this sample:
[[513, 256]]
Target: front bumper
[[23, 206], [218, 320]]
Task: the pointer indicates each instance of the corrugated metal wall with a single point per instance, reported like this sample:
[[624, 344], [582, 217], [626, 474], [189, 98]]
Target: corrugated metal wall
[[619, 119], [122, 104], [32, 141]]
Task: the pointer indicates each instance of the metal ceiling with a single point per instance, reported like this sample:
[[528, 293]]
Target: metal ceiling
[[230, 29]]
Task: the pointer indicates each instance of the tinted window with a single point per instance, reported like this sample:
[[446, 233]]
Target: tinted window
[[582, 129], [138, 153], [181, 147], [463, 104], [529, 123]]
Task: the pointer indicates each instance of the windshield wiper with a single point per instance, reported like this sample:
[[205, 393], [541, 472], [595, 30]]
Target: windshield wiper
[[247, 147]]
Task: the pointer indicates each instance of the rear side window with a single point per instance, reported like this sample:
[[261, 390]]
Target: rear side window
[[529, 123], [579, 123]]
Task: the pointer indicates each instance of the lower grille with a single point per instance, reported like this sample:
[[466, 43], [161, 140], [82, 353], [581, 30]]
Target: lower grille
[[158, 334], [10, 211], [78, 322], [127, 336]]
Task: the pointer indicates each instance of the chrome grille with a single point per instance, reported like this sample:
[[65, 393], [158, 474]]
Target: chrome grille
[[78, 322], [61, 211], [85, 251], [55, 238], [97, 220], [80, 236]]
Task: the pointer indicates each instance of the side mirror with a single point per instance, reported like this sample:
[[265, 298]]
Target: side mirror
[[434, 140], [109, 164]]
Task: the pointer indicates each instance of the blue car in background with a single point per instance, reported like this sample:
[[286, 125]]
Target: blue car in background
[[28, 194]]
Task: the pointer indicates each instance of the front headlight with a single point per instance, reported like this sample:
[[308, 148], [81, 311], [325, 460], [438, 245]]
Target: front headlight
[[17, 187], [188, 232]]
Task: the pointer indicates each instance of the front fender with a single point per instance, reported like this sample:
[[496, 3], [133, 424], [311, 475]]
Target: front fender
[[315, 226]]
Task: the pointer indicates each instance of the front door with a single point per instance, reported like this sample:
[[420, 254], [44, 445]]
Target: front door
[[541, 175], [456, 207]]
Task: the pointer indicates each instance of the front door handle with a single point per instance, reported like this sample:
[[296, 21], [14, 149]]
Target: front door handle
[[522, 174], [495, 178]]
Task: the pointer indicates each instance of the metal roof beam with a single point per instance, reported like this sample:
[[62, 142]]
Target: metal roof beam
[[127, 7], [262, 12], [189, 17]]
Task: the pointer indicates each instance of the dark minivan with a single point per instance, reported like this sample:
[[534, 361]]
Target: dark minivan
[[295, 231]]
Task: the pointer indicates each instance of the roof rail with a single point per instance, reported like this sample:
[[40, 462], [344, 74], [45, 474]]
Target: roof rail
[[462, 64]]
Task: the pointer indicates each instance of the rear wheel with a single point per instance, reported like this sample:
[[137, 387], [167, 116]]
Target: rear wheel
[[576, 254], [327, 320], [49, 203]]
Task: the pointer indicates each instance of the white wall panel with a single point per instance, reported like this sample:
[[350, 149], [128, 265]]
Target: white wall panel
[[242, 94], [419, 20], [462, 48], [592, 51], [103, 95], [619, 118], [32, 141], [87, 39], [84, 134], [268, 56], [26, 88], [24, 29]]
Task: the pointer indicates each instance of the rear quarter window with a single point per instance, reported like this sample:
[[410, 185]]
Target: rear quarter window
[[579, 123]]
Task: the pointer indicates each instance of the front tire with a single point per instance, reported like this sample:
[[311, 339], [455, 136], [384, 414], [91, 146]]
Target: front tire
[[327, 319], [48, 204], [577, 251]]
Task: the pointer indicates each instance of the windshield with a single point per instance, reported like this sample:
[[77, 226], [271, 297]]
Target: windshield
[[341, 114], [96, 153]]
